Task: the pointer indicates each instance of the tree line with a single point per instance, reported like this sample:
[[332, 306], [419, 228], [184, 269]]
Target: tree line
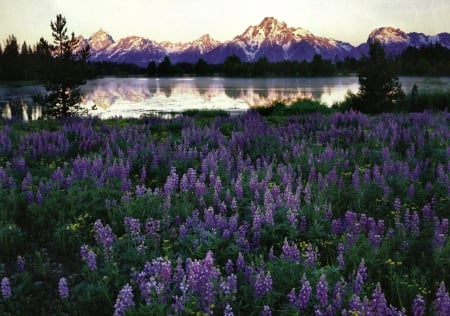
[[34, 63]]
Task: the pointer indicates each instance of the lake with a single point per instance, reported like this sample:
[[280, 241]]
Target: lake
[[132, 97]]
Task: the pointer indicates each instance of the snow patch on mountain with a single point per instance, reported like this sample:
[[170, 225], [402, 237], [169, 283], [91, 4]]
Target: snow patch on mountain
[[271, 38]]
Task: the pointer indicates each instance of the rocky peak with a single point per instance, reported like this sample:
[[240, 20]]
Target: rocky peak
[[100, 40], [388, 35]]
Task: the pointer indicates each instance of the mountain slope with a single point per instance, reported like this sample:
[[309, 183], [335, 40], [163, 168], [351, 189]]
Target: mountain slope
[[271, 38], [276, 41]]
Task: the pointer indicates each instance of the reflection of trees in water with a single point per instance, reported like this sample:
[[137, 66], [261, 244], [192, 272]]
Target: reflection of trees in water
[[19, 109], [317, 93], [166, 90], [233, 92]]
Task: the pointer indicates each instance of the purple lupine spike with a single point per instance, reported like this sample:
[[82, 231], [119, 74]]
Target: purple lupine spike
[[133, 227], [290, 253], [338, 294], [229, 285], [266, 311], [201, 277], [322, 291], [63, 288], [228, 311], [20, 262], [105, 237], [355, 306], [340, 256], [305, 294], [442, 302], [378, 305], [418, 307], [360, 278], [262, 284], [356, 183], [311, 256], [397, 204], [6, 288], [240, 263], [91, 260], [124, 300]]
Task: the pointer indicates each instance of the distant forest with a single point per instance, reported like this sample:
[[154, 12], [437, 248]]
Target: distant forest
[[25, 62]]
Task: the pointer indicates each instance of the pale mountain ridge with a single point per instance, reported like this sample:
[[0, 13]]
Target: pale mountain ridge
[[271, 38]]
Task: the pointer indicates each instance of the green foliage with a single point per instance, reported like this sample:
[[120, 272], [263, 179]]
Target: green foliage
[[298, 107], [205, 113]]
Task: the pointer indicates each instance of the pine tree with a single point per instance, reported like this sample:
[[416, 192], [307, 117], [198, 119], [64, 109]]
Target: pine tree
[[379, 86], [63, 93]]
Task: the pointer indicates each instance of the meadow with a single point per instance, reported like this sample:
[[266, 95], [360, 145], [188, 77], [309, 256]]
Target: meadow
[[312, 214]]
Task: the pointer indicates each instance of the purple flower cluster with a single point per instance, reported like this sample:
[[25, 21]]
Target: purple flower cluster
[[124, 300], [6, 288], [105, 237], [301, 300], [63, 288], [227, 193], [262, 284], [89, 257]]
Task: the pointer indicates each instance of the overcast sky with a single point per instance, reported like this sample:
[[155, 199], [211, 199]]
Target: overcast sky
[[187, 20]]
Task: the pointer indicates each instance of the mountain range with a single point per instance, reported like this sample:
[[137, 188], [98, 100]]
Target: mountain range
[[271, 38]]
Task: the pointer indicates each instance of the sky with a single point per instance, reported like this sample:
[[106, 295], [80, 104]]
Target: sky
[[186, 20]]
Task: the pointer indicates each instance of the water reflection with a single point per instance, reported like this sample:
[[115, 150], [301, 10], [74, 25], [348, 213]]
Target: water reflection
[[132, 97], [113, 95], [19, 109]]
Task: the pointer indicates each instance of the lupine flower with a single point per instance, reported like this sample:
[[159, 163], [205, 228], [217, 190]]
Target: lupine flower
[[262, 284], [63, 288], [20, 264], [418, 308], [266, 311], [442, 302], [338, 293], [240, 263], [301, 300], [340, 256], [124, 300], [228, 311], [322, 291], [201, 277], [311, 256], [378, 305], [89, 256], [291, 253], [105, 237], [397, 204], [6, 288]]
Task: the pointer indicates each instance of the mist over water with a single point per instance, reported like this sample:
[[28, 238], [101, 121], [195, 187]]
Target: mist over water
[[133, 97]]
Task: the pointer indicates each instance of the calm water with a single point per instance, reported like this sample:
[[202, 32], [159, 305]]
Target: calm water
[[132, 97]]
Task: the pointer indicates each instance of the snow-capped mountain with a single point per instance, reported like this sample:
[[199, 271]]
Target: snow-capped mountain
[[276, 41], [100, 40], [190, 52], [395, 41], [131, 49], [271, 38]]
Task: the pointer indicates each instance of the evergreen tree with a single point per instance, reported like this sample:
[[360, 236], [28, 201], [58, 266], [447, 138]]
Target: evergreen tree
[[379, 86], [201, 68], [165, 67], [10, 59], [232, 66], [63, 94], [152, 68]]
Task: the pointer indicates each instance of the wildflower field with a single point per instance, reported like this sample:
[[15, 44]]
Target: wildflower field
[[336, 214]]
